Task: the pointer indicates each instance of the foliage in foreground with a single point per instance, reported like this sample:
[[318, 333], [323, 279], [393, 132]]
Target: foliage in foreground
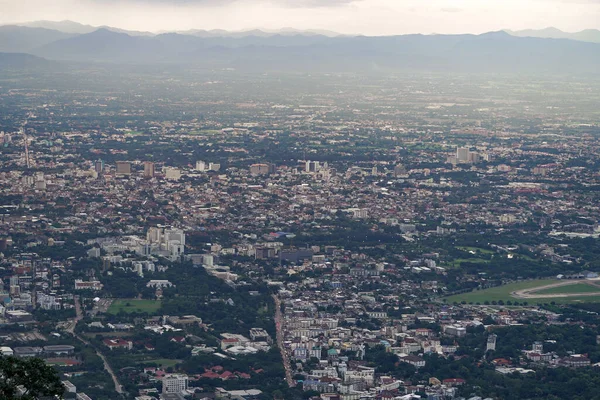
[[33, 375]]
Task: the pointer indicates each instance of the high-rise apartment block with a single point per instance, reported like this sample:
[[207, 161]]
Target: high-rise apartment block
[[148, 169], [123, 168]]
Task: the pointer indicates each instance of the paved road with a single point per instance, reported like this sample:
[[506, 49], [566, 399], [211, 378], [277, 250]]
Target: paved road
[[107, 367], [284, 356]]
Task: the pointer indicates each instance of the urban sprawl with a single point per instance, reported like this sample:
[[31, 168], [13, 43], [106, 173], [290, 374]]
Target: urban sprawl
[[231, 236]]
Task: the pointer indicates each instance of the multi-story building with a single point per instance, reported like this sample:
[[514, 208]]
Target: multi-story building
[[47, 302], [99, 166], [123, 168], [118, 344], [166, 241], [462, 154], [91, 285], [455, 330], [175, 383], [491, 342], [172, 174], [148, 169], [261, 169], [312, 166]]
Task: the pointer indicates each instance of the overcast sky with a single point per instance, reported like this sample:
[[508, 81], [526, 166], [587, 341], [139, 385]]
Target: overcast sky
[[370, 17]]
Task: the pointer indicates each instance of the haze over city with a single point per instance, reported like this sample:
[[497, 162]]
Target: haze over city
[[367, 17], [300, 199]]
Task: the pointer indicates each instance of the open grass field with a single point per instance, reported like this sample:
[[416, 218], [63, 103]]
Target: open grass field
[[456, 263], [504, 293], [574, 288], [163, 362], [475, 249], [134, 305]]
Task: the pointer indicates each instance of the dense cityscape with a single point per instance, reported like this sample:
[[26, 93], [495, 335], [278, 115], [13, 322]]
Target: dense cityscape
[[214, 234]]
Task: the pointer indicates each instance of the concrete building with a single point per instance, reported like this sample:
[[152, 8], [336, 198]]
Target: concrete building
[[99, 166], [491, 342], [123, 168], [462, 154], [454, 330], [312, 166], [17, 316], [261, 169], [47, 302], [59, 350], [172, 174], [91, 285], [69, 387], [148, 169], [473, 157], [6, 351], [166, 241], [413, 360], [175, 383]]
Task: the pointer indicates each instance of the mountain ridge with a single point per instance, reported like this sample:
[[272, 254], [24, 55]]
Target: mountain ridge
[[68, 26], [21, 61], [19, 39], [489, 52], [586, 35], [73, 27]]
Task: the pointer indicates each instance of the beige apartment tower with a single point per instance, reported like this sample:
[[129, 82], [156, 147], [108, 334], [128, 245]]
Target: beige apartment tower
[[148, 169], [123, 168]]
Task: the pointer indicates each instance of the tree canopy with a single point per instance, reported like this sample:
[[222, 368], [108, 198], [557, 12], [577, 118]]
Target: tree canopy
[[31, 375]]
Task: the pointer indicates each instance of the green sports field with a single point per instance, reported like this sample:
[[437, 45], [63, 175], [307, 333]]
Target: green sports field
[[475, 249], [134, 305], [163, 362], [574, 288], [503, 293]]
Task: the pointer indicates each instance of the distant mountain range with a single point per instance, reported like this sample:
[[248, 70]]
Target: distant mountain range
[[20, 39], [71, 27], [257, 32], [19, 61], [304, 51], [77, 28], [588, 35]]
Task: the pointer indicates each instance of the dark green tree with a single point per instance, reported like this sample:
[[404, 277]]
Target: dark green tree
[[37, 379]]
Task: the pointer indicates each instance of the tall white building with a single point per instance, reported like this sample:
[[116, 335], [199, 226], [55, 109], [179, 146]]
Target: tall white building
[[173, 174], [166, 241], [312, 166], [462, 154], [473, 157], [40, 181], [200, 166], [491, 342], [47, 302], [175, 383]]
